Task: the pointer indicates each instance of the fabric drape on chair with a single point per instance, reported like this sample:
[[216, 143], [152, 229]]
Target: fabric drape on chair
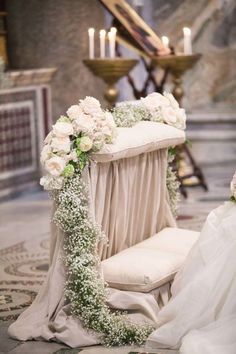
[[130, 200]]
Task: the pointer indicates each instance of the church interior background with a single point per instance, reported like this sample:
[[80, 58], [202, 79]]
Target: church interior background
[[43, 45]]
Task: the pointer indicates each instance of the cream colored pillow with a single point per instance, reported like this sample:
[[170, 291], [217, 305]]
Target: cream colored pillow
[[151, 263], [145, 136]]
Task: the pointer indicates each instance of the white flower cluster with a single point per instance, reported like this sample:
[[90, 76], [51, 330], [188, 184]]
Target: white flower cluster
[[166, 109], [85, 288], [85, 129], [155, 107], [172, 183], [233, 188]]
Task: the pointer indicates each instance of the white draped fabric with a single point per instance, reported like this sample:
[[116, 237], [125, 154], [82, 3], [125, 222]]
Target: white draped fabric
[[130, 200], [201, 316]]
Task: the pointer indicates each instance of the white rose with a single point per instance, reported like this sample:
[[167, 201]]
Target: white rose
[[90, 106], [233, 186], [72, 156], [84, 123], [63, 129], [173, 117], [73, 112], [106, 131], [61, 144], [154, 101], [50, 183], [173, 102], [48, 138], [45, 153], [169, 115], [109, 119], [181, 119], [55, 165], [85, 143]]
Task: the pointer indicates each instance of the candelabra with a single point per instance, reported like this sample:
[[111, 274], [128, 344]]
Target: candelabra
[[111, 71]]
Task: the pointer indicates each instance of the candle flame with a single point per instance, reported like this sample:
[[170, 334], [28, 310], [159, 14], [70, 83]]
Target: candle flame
[[91, 31], [187, 31], [165, 40], [102, 33], [113, 30]]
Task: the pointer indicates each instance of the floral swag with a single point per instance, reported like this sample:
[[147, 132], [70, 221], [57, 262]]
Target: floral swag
[[65, 157]]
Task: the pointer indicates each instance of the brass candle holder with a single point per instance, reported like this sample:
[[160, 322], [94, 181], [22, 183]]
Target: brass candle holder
[[177, 65], [111, 71]]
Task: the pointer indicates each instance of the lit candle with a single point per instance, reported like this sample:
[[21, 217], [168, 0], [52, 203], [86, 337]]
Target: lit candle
[[102, 35], [187, 41], [113, 30], [111, 39], [165, 41], [91, 42]]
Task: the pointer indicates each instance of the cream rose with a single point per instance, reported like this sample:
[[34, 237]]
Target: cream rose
[[174, 117], [154, 101], [90, 106], [181, 119], [55, 165], [45, 153], [72, 156], [173, 103], [84, 123], [48, 138], [109, 119], [63, 129], [74, 112], [85, 144], [61, 144]]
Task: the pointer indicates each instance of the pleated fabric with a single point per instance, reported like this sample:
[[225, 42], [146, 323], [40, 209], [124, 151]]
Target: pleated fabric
[[129, 198]]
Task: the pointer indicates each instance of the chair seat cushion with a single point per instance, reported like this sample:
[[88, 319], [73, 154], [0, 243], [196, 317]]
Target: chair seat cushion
[[151, 263], [143, 137]]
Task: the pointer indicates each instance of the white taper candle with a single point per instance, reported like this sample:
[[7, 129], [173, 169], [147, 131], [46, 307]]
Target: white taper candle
[[187, 41], [165, 41], [91, 42], [111, 44], [102, 35]]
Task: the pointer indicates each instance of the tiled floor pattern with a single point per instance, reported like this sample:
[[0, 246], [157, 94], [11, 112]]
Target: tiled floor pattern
[[24, 230]]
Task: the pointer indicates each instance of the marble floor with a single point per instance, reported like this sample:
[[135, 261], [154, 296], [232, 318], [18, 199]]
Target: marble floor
[[24, 249]]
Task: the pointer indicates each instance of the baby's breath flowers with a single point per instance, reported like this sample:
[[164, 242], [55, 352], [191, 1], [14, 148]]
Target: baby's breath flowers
[[65, 157], [155, 107], [85, 288]]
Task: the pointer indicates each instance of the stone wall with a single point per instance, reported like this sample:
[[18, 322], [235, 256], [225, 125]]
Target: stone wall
[[211, 85], [44, 33], [53, 33]]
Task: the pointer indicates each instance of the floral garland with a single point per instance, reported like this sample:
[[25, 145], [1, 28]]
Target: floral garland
[[85, 287], [65, 157], [155, 107]]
